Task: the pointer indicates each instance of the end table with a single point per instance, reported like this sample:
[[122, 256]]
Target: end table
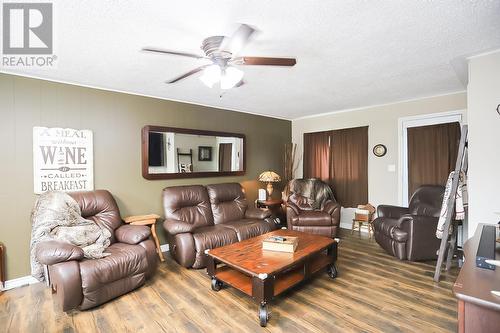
[[147, 220], [274, 205], [364, 218]]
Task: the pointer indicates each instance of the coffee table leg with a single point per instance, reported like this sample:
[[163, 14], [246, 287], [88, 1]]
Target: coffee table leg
[[263, 292], [211, 268], [332, 268]]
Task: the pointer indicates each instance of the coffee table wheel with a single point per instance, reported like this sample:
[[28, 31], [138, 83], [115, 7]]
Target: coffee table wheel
[[263, 314], [216, 284], [332, 271]]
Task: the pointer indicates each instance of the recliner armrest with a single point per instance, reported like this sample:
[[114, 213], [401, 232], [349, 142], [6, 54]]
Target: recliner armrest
[[394, 212], [293, 207], [257, 213], [330, 206], [418, 223], [53, 252], [422, 242], [132, 234], [174, 227]]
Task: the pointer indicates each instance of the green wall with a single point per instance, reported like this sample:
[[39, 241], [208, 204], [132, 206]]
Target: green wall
[[116, 120]]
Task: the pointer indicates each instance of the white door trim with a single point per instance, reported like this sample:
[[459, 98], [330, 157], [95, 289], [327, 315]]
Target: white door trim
[[414, 121]]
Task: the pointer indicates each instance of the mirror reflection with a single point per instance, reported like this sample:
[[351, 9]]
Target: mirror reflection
[[173, 152]]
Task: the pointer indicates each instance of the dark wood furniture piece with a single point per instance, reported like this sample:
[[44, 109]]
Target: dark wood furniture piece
[[2, 266], [153, 176], [478, 308], [275, 207], [264, 274]]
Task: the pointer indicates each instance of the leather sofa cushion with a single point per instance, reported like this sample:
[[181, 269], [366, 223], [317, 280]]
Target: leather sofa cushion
[[303, 203], [257, 213], [124, 261], [99, 206], [228, 202], [248, 228], [188, 203], [210, 238], [427, 200], [313, 218]]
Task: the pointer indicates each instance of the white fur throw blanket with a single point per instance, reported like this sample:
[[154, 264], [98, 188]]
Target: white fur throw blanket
[[57, 216], [460, 202]]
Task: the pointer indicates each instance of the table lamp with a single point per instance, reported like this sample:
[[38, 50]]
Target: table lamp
[[269, 177]]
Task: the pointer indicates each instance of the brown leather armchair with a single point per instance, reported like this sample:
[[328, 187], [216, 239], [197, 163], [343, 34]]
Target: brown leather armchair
[[410, 233], [198, 218], [311, 207], [85, 283]]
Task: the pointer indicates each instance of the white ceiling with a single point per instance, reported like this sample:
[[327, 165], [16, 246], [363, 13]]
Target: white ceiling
[[349, 53]]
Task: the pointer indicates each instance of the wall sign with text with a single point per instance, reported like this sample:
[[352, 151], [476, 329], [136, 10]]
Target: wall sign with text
[[63, 160]]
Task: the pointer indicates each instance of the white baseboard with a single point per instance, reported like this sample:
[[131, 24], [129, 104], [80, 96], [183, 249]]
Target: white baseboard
[[164, 248], [19, 282]]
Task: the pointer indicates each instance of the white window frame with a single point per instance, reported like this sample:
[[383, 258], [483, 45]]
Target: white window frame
[[415, 121]]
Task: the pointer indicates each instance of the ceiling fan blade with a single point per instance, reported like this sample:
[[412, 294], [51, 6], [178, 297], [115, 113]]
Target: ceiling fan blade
[[264, 61], [191, 72], [238, 40], [184, 54]]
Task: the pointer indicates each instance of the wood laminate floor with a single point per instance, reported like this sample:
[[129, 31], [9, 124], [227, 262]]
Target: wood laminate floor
[[373, 293]]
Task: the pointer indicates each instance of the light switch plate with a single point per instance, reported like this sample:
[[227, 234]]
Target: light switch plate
[[391, 167]]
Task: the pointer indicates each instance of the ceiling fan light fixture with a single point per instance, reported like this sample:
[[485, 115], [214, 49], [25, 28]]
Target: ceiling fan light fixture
[[211, 75], [230, 77]]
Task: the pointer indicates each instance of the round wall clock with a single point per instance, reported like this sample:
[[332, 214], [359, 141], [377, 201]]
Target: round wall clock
[[379, 150]]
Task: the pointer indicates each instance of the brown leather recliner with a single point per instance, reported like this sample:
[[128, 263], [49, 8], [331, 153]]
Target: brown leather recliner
[[198, 218], [85, 283], [311, 207], [410, 233]]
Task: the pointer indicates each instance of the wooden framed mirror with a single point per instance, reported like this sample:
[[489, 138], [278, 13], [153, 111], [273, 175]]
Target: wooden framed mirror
[[169, 153]]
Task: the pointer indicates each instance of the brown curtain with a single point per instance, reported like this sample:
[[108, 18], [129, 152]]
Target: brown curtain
[[317, 155], [340, 158], [225, 156], [432, 154], [349, 166]]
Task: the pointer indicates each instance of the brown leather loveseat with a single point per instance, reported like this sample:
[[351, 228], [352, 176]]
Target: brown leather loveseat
[[198, 218], [311, 207], [86, 283], [410, 233]]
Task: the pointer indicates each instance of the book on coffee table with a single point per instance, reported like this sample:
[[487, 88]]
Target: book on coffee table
[[281, 244]]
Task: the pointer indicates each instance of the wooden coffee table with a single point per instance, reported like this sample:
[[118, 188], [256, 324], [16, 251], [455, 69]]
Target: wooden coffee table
[[264, 274]]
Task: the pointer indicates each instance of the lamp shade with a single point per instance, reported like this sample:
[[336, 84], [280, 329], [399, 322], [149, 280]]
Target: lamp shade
[[269, 176]]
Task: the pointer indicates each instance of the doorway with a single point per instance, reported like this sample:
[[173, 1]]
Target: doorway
[[428, 148]]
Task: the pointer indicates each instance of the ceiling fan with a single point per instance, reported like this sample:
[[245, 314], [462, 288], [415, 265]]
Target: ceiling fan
[[222, 52]]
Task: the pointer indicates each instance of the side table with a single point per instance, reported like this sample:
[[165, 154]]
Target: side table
[[365, 217], [274, 205], [147, 220]]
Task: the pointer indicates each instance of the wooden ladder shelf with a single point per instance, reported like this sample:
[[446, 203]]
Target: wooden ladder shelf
[[448, 243]]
